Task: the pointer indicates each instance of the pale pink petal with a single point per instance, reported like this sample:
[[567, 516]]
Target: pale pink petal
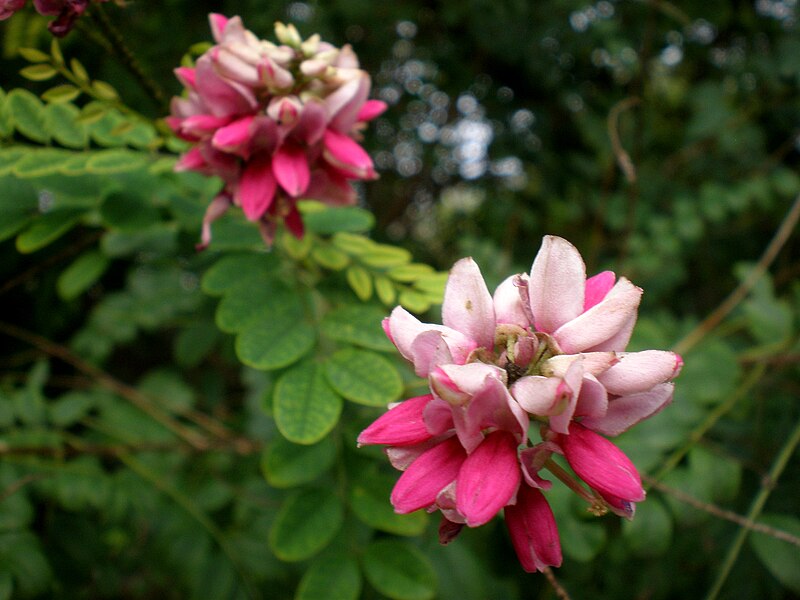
[[443, 387], [541, 395], [471, 378], [623, 413], [422, 481], [222, 97], [556, 287], [342, 152], [533, 531], [218, 207], [371, 109], [618, 342], [186, 75], [218, 23], [344, 104], [467, 305], [594, 363], [597, 287], [232, 66], [602, 465], [508, 306], [438, 417], [573, 380], [488, 478], [290, 166], [640, 371], [256, 187], [601, 322], [593, 399], [402, 425], [492, 407], [430, 349]]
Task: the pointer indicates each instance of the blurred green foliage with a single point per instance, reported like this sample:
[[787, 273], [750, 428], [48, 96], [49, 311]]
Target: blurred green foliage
[[182, 425]]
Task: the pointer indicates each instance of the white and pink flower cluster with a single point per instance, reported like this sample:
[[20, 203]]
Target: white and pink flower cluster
[[277, 122], [547, 350]]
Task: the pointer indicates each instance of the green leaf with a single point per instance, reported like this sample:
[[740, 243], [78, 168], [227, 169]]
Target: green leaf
[[38, 72], [779, 557], [709, 374], [169, 389], [369, 499], [271, 342], [305, 524], [385, 290], [331, 577], [297, 249], [285, 464], [360, 282], [383, 256], [81, 274], [92, 113], [129, 211], [720, 476], [238, 269], [61, 93], [357, 324], [62, 121], [18, 204], [305, 406], [351, 243], [40, 162], [70, 408], [399, 571], [33, 55], [329, 257], [48, 228], [332, 220], [78, 70], [649, 534], [104, 91], [194, 343], [363, 377], [414, 301], [27, 115], [105, 162], [410, 273], [55, 52]]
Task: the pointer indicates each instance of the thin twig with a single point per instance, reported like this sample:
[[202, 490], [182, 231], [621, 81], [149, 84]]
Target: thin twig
[[722, 513], [131, 394], [557, 587], [127, 58], [767, 485], [780, 238], [697, 434], [76, 447], [19, 484], [623, 158]]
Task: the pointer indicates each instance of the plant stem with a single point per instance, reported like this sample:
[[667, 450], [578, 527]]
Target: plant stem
[[755, 509]]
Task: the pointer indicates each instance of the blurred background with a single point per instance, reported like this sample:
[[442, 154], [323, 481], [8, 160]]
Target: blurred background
[[661, 138]]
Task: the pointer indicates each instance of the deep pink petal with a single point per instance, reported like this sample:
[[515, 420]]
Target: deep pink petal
[[235, 137], [402, 425], [556, 287], [640, 371], [438, 417], [488, 479], [342, 152], [331, 188], [573, 381], [601, 464], [422, 481], [371, 109], [533, 531], [597, 287], [294, 221], [186, 75], [623, 413], [601, 322], [593, 399], [192, 160], [256, 187], [218, 23], [290, 166], [467, 305], [312, 123]]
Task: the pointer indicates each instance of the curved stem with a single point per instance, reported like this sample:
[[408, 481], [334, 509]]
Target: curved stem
[[780, 238], [755, 509]]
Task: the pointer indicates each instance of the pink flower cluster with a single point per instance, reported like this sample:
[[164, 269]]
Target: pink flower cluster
[[277, 122], [66, 12], [545, 349]]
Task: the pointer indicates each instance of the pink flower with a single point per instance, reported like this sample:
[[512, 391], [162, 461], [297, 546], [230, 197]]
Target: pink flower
[[549, 346], [277, 122], [65, 11]]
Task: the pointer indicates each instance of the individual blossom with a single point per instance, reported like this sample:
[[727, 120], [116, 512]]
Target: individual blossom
[[66, 12], [276, 122], [545, 352]]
